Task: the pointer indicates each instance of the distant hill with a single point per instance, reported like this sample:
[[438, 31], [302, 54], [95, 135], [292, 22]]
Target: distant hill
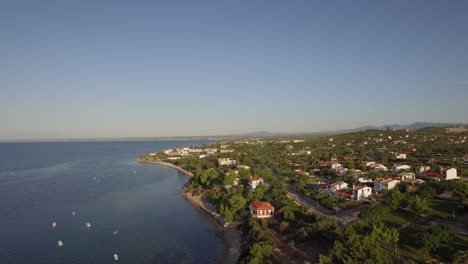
[[414, 126]]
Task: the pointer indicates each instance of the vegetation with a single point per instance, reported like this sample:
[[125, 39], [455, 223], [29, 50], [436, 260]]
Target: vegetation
[[408, 223]]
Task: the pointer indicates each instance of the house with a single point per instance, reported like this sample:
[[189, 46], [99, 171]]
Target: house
[[152, 154], [338, 186], [341, 172], [332, 164], [183, 151], [409, 178], [344, 193], [173, 158], [298, 140], [421, 169], [361, 193], [465, 160], [443, 174], [261, 209], [397, 168], [226, 150], [378, 167], [370, 163], [254, 182], [289, 147], [386, 183], [364, 179], [211, 150], [406, 176], [195, 150], [167, 151], [226, 162], [399, 155]]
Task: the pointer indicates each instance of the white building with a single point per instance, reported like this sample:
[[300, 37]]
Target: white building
[[387, 183], [444, 174], [465, 159], [364, 179], [167, 151], [361, 193], [378, 167], [298, 140], [421, 169], [183, 151], [211, 150], [370, 163], [226, 162], [399, 155], [226, 150], [406, 176], [255, 182], [397, 168], [338, 186], [195, 150]]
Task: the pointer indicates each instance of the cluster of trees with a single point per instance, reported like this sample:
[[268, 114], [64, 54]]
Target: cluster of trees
[[361, 243], [432, 239]]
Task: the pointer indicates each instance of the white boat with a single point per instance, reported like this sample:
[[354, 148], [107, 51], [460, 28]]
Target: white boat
[[116, 257], [54, 224], [73, 213], [115, 232], [88, 225], [60, 243]]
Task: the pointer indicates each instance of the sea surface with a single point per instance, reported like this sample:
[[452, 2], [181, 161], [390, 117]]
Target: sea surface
[[44, 182]]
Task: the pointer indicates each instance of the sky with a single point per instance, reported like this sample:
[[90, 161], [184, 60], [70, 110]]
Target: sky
[[103, 69]]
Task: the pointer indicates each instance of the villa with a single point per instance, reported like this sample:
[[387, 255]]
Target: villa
[[261, 209], [399, 155], [397, 168]]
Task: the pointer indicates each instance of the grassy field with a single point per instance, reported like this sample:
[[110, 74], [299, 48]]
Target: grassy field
[[409, 241]]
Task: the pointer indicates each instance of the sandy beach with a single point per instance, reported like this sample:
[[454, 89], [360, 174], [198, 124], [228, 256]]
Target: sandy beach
[[231, 235]]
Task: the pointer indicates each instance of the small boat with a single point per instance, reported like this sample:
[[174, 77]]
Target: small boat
[[60, 243], [73, 213], [88, 225], [116, 257], [115, 232], [54, 224]]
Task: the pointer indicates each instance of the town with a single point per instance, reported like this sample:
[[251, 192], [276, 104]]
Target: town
[[376, 196]]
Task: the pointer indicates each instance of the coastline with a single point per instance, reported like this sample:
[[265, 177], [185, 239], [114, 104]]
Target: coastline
[[231, 235]]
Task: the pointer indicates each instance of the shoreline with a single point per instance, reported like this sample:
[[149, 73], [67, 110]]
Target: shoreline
[[231, 235]]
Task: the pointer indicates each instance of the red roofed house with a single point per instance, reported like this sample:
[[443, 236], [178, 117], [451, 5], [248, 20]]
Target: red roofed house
[[341, 172], [444, 174], [361, 193], [152, 154], [338, 186], [261, 209], [255, 182]]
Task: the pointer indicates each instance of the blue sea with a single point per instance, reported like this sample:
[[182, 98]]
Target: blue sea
[[44, 182]]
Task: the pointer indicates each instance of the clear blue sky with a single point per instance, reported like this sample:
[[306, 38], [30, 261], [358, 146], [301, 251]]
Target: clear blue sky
[[168, 68]]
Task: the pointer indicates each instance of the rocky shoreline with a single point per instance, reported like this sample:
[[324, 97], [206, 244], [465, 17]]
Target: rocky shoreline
[[231, 234]]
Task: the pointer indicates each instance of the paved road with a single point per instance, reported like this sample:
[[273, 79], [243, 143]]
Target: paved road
[[343, 217]]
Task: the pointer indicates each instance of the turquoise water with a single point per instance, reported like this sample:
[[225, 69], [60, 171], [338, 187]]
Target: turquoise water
[[44, 182]]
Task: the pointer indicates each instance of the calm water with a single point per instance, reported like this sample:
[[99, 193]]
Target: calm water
[[44, 182]]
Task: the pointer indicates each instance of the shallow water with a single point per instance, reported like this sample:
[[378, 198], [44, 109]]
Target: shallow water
[[44, 182]]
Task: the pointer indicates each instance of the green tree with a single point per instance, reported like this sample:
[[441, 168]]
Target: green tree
[[461, 257], [229, 178], [284, 225], [419, 205]]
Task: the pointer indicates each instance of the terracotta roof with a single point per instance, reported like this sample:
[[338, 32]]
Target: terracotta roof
[[345, 193], [256, 179], [262, 206]]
